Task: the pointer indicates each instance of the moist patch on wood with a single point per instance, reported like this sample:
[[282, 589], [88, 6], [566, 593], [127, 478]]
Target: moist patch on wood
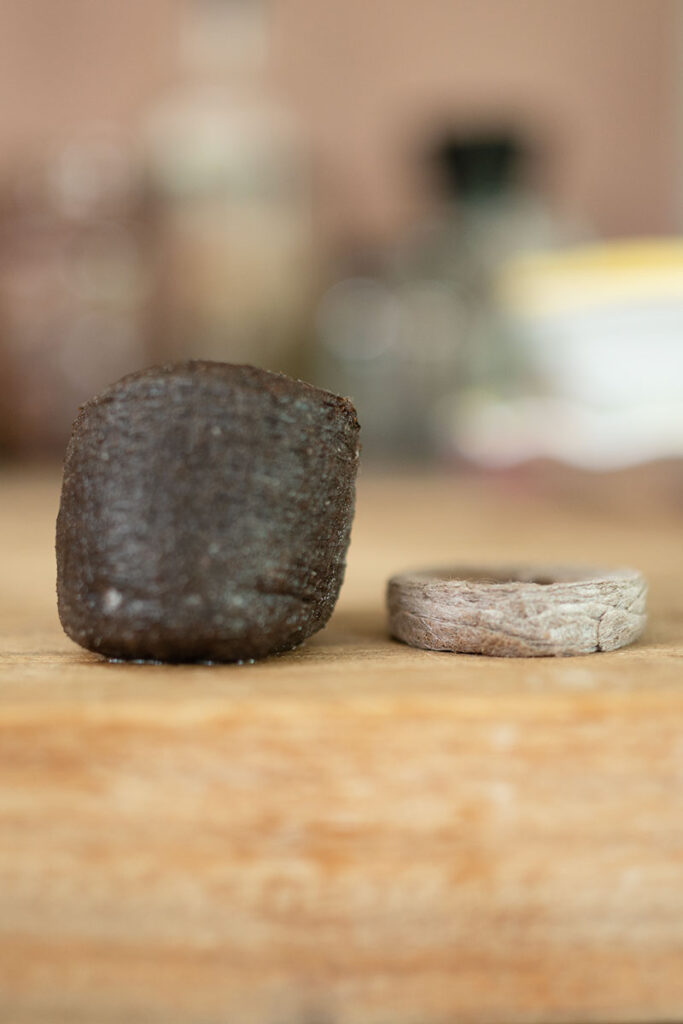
[[527, 611], [205, 514]]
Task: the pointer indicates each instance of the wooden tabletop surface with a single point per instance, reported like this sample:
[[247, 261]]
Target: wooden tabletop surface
[[356, 832]]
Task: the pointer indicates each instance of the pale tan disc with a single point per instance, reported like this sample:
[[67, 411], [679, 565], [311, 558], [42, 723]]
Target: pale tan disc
[[518, 611]]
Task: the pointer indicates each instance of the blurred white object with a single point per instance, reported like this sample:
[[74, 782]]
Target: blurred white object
[[601, 331]]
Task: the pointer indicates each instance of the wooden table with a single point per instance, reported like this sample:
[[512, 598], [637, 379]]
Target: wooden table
[[357, 831]]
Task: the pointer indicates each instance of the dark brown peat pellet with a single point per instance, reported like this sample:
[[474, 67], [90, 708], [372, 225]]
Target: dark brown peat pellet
[[205, 514]]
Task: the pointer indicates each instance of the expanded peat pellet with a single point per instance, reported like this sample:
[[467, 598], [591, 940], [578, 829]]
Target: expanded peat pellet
[[205, 514]]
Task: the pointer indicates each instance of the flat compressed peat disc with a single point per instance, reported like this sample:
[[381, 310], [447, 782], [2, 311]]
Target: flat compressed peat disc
[[205, 514], [526, 612]]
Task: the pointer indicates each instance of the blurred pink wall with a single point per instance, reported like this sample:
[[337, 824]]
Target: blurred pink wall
[[65, 64], [598, 76]]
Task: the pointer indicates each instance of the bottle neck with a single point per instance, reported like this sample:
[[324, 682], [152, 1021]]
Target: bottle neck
[[224, 41]]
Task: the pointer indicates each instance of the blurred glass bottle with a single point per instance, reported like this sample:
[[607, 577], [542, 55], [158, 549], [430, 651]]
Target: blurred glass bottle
[[484, 213], [228, 185], [425, 335], [394, 348], [73, 289], [488, 212]]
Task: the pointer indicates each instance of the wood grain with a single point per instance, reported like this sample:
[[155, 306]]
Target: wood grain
[[357, 831]]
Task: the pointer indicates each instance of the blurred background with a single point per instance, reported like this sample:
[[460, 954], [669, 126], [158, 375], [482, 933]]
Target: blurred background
[[464, 214]]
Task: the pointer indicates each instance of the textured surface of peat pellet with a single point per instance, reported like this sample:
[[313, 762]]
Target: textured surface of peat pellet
[[526, 611], [205, 514]]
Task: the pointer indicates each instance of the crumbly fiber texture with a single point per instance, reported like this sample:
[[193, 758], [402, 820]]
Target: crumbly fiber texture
[[518, 612], [205, 514]]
